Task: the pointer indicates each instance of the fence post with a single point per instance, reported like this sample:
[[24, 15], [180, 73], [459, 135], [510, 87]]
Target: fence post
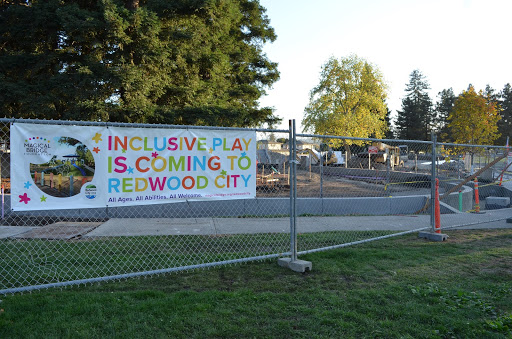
[[293, 263], [291, 176], [321, 176], [433, 183], [294, 198]]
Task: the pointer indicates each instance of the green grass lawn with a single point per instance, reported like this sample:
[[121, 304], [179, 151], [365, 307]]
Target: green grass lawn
[[398, 287]]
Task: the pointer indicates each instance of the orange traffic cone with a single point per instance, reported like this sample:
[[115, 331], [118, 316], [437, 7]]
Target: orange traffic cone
[[477, 197]]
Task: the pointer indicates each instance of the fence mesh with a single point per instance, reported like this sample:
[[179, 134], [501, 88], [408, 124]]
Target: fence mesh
[[349, 190], [53, 247], [359, 187], [468, 172]]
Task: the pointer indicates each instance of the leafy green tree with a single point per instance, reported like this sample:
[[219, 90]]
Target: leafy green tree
[[415, 121], [182, 61], [505, 123], [474, 118], [348, 101], [443, 108]]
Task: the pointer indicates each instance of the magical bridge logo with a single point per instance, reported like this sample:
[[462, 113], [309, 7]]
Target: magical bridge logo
[[37, 146]]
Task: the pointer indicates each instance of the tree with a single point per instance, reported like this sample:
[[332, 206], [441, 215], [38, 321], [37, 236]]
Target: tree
[[415, 120], [474, 118], [490, 94], [348, 101], [444, 107], [389, 129], [183, 61], [505, 123]]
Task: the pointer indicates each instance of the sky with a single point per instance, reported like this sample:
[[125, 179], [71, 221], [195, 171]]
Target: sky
[[453, 43]]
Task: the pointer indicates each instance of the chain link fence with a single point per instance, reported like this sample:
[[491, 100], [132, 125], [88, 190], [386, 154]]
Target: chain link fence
[[475, 183], [313, 193], [360, 186], [54, 248]]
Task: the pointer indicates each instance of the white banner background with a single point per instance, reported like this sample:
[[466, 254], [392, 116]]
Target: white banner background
[[118, 166]]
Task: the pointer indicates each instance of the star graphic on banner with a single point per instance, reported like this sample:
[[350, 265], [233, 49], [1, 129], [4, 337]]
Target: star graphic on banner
[[24, 198], [244, 155], [43, 199], [27, 185], [130, 170], [123, 150], [96, 149], [154, 154], [97, 138], [211, 150], [223, 172]]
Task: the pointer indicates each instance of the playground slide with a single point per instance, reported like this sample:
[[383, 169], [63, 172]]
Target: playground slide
[[88, 168], [80, 169]]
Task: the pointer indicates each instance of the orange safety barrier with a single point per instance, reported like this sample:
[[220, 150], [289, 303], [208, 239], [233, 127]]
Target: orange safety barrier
[[477, 197]]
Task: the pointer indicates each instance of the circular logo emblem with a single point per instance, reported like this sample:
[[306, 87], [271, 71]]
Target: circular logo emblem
[[90, 191]]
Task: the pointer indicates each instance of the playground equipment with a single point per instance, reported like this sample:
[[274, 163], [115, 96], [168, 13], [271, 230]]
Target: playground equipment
[[79, 168]]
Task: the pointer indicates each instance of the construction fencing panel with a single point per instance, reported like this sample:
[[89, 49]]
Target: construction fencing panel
[[475, 184], [63, 246], [363, 189]]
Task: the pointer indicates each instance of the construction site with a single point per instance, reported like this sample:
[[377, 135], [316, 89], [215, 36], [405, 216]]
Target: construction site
[[381, 171]]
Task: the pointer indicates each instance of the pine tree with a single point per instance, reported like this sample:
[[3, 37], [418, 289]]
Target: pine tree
[[505, 124], [182, 61], [444, 107], [389, 132], [491, 95], [415, 120]]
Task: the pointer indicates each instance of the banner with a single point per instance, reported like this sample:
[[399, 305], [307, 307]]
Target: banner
[[67, 167]]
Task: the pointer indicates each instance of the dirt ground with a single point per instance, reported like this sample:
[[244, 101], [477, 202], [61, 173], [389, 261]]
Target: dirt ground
[[308, 185]]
